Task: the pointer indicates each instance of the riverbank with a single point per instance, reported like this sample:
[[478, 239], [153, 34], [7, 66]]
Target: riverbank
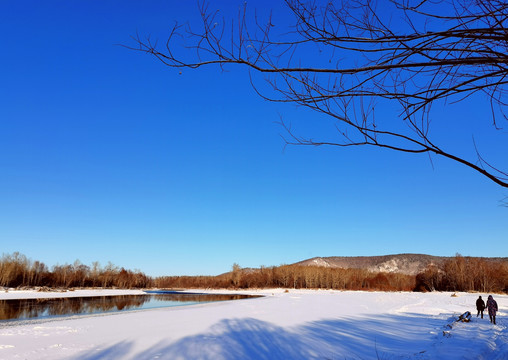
[[299, 324], [34, 294]]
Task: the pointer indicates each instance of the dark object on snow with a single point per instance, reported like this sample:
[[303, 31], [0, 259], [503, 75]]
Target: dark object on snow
[[480, 306], [466, 317], [492, 305]]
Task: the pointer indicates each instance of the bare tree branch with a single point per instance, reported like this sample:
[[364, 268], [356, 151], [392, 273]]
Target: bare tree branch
[[443, 51]]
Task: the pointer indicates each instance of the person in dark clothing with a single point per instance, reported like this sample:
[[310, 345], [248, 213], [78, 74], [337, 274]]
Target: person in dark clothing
[[492, 306], [480, 306]]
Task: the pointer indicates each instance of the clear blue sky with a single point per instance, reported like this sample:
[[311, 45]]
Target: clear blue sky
[[107, 155]]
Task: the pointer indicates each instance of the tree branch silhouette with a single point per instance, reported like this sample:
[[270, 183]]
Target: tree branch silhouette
[[442, 51]]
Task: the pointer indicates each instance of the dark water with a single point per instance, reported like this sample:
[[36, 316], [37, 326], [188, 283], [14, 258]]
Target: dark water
[[50, 308]]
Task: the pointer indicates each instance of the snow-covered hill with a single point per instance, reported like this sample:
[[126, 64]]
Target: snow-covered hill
[[410, 264]]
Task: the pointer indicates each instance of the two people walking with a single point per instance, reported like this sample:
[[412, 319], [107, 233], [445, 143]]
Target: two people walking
[[491, 306]]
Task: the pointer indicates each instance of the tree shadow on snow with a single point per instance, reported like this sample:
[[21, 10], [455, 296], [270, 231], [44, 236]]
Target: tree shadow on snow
[[382, 336], [379, 337], [117, 351]]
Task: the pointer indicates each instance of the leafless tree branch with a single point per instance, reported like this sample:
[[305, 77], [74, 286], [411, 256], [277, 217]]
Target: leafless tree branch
[[444, 51]]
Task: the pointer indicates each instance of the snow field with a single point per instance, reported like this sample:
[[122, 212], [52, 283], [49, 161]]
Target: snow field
[[299, 324]]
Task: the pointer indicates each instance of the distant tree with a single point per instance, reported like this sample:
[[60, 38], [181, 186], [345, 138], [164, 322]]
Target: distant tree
[[81, 274], [39, 272], [108, 274], [430, 279], [348, 59], [123, 279], [236, 274], [14, 269], [95, 273]]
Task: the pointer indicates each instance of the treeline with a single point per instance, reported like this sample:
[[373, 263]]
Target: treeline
[[456, 274], [294, 276], [465, 274], [16, 270]]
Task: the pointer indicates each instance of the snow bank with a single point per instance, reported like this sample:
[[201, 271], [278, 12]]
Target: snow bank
[[31, 294], [295, 325]]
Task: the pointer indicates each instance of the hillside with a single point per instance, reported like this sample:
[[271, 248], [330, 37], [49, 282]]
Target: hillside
[[410, 264]]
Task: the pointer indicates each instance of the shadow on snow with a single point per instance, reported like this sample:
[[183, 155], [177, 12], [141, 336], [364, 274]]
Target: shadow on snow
[[380, 337]]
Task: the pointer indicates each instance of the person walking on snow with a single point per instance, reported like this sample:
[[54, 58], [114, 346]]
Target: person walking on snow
[[480, 306], [492, 306]]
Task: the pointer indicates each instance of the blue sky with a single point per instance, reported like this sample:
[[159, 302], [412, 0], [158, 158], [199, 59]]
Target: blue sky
[[107, 155]]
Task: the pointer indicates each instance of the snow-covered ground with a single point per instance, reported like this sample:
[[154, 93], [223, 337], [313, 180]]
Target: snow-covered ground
[[295, 325]]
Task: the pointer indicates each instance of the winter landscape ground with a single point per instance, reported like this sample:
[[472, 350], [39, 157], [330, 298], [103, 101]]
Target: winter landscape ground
[[299, 324]]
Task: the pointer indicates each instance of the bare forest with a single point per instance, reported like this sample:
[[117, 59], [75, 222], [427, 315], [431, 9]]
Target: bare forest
[[16, 270], [455, 274]]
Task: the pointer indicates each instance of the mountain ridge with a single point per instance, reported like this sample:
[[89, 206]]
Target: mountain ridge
[[410, 264]]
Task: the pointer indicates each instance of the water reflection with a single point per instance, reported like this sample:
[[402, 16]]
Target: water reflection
[[47, 308]]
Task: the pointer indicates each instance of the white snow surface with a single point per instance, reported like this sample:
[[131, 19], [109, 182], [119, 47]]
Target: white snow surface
[[299, 324]]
